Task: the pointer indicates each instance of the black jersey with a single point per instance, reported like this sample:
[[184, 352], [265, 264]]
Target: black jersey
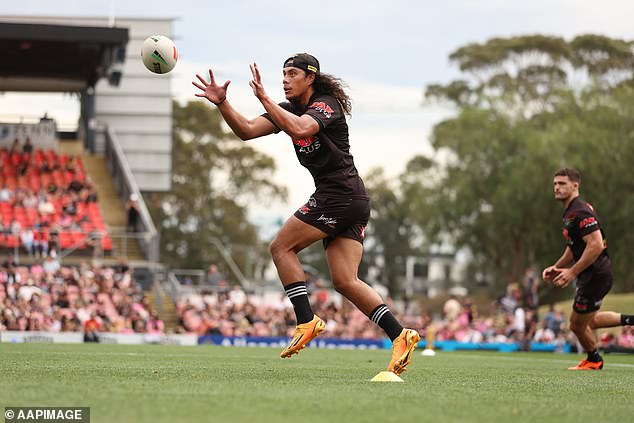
[[580, 220], [326, 154]]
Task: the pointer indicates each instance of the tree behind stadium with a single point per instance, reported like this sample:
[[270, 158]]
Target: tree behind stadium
[[527, 106], [215, 177]]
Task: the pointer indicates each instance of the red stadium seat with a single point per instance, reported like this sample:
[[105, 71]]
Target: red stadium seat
[[12, 241], [107, 243], [65, 239]]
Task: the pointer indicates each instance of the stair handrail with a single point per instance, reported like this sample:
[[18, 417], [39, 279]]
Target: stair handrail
[[126, 185]]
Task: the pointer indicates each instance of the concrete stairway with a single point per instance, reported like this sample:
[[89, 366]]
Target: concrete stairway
[[162, 303], [111, 206]]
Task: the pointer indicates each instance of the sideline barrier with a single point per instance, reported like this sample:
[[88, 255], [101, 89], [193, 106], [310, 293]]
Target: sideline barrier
[[501, 347], [276, 342], [281, 342], [105, 338], [42, 337]]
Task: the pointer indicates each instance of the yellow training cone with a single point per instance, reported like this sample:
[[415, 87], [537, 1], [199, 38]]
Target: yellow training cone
[[386, 377]]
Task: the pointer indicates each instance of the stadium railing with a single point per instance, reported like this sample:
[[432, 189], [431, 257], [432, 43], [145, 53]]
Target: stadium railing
[[126, 185]]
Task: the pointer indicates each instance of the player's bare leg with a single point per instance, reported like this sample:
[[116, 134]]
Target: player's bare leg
[[344, 256], [293, 237], [580, 325], [605, 319]]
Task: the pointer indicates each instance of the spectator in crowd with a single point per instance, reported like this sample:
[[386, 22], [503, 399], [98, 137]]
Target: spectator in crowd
[[451, 308], [214, 277], [46, 206], [544, 334], [15, 146], [530, 285], [555, 319], [92, 327], [27, 239], [133, 211], [51, 265], [28, 147], [6, 194]]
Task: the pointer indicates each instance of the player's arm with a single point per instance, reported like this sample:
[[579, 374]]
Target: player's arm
[[296, 127], [565, 260], [594, 248], [244, 128]]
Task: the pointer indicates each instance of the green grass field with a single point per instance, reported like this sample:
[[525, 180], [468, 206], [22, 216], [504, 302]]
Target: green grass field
[[154, 383]]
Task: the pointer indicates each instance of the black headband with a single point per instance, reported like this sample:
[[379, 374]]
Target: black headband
[[303, 61]]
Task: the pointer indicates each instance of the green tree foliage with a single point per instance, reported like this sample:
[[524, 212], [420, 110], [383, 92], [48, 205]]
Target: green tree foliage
[[215, 177], [389, 236], [525, 107]]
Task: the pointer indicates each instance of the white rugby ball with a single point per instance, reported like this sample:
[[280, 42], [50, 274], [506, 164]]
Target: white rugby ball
[[159, 54]]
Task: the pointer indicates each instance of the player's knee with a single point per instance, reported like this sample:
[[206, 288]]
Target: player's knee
[[276, 248], [341, 285]]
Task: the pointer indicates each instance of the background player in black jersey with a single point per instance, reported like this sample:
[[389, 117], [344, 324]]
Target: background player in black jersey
[[338, 211], [586, 260]]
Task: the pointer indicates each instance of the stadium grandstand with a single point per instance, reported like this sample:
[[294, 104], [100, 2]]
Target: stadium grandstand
[[71, 254]]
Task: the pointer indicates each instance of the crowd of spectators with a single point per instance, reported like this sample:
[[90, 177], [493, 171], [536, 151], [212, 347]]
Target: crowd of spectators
[[94, 299], [48, 203], [55, 298], [512, 318]]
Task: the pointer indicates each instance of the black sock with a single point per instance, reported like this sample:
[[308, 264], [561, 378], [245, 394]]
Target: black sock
[[383, 317], [298, 294], [627, 319], [594, 356]]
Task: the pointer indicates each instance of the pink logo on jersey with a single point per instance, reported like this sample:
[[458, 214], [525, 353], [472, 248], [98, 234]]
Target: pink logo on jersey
[[590, 221], [305, 142], [362, 231], [322, 107]]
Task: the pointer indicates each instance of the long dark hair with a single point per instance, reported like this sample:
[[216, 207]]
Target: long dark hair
[[331, 85]]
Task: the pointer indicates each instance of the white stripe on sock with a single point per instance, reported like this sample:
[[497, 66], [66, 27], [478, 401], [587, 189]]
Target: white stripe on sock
[[296, 290], [379, 313]]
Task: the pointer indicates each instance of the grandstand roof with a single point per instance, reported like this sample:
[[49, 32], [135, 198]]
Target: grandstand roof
[[43, 57]]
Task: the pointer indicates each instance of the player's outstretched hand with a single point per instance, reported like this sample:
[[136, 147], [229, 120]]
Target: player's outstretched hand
[[210, 90], [256, 82]]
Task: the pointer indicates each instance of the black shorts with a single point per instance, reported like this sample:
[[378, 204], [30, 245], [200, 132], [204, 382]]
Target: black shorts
[[337, 217], [592, 285]]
